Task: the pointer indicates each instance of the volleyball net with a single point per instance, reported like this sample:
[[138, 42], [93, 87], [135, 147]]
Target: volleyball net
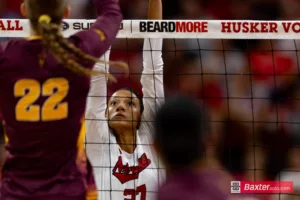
[[173, 29], [247, 73]]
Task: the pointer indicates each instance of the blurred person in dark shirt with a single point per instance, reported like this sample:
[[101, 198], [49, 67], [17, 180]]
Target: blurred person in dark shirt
[[180, 130], [180, 127], [1, 7], [10, 9], [181, 137], [186, 69]]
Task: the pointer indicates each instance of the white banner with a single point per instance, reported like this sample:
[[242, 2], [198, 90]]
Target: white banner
[[206, 29]]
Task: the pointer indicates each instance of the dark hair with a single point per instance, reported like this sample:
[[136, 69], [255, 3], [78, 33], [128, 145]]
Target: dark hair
[[179, 128], [45, 18], [187, 60], [285, 94], [140, 98]]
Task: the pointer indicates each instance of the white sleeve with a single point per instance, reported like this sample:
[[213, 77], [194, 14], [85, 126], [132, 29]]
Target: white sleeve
[[96, 123], [152, 82]]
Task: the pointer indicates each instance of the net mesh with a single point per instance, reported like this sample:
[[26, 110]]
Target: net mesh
[[249, 83]]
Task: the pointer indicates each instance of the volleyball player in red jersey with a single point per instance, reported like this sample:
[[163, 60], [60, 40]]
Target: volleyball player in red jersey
[[44, 83]]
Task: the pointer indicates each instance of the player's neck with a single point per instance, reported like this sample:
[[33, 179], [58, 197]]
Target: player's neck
[[127, 140]]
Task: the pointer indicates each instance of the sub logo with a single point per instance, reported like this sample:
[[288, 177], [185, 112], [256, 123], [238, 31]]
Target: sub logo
[[65, 26]]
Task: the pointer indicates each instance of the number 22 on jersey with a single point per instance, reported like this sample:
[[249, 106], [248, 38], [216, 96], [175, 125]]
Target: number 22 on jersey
[[30, 90]]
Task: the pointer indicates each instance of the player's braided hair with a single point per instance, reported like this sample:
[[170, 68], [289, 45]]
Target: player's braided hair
[[63, 50], [45, 18]]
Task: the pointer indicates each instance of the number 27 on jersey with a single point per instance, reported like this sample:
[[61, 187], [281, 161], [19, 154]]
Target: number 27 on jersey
[[30, 90]]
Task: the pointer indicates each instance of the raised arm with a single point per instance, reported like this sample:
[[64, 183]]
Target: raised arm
[[98, 91], [155, 10], [103, 32], [152, 77], [96, 125]]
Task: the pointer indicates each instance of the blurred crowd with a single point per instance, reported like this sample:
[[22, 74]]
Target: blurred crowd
[[250, 86]]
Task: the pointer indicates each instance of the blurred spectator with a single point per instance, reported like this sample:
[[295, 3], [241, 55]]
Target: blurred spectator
[[81, 9], [180, 132], [185, 76], [290, 9], [265, 9], [192, 9], [2, 7], [139, 10], [12, 9], [240, 9]]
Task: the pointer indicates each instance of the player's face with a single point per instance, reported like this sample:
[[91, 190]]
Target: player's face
[[123, 110]]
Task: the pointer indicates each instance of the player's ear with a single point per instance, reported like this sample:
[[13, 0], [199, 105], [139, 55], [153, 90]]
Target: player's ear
[[23, 9], [67, 12]]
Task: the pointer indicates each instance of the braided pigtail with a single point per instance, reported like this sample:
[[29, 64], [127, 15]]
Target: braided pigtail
[[61, 50], [81, 55]]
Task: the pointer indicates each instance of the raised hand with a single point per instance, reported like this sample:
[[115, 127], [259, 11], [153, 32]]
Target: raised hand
[[155, 10]]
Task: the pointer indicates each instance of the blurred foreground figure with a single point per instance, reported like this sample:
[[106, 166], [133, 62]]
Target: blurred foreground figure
[[180, 129], [181, 138]]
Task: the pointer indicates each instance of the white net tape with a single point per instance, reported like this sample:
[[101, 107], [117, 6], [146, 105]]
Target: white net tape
[[206, 29]]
